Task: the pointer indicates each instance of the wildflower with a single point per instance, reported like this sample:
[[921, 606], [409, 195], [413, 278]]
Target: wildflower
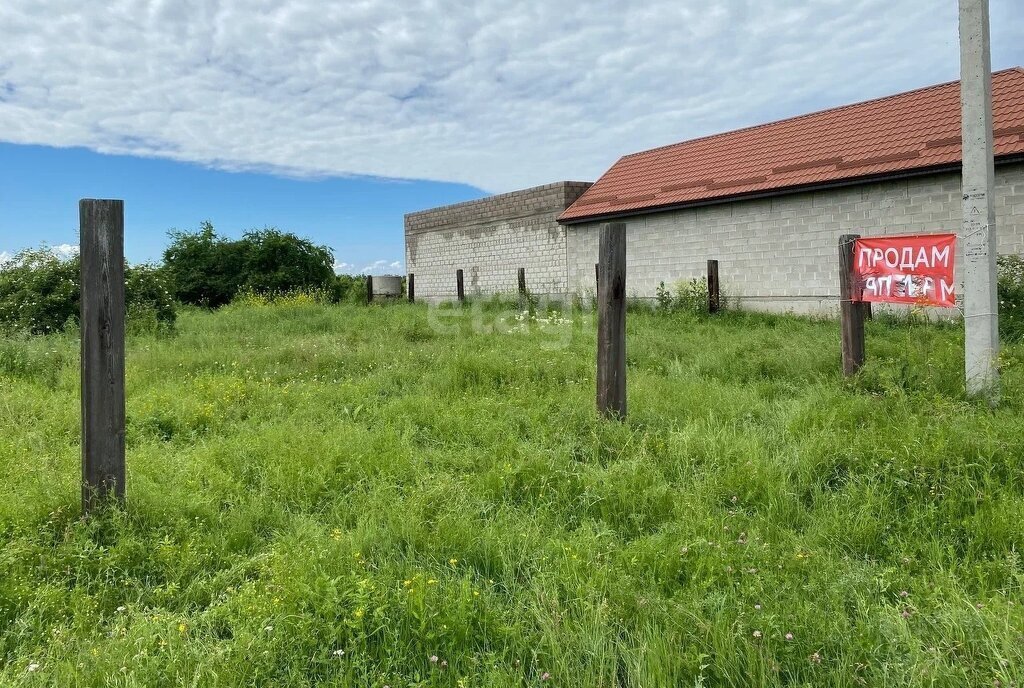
[[815, 658], [545, 676], [121, 609], [905, 613], [904, 593], [339, 653], [789, 636], [360, 612], [757, 634], [453, 562], [33, 667], [268, 629], [433, 659], [757, 607], [181, 628], [444, 664]]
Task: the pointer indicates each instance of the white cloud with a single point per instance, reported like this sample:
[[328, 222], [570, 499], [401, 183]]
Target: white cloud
[[377, 267], [496, 94], [382, 267], [62, 251], [65, 251]]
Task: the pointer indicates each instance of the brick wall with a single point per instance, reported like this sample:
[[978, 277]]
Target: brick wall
[[490, 239], [781, 253]]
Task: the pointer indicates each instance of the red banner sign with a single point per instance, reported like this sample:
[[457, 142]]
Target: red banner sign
[[915, 269]]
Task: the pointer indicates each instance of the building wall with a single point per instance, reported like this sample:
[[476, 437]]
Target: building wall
[[781, 253], [490, 239]]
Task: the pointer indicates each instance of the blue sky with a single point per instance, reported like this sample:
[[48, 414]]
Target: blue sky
[[360, 218], [326, 118]]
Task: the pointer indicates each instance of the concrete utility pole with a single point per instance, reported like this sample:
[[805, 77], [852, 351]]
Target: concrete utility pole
[[978, 228]]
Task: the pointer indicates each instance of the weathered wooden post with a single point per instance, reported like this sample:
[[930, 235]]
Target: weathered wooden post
[[851, 312], [522, 281], [412, 288], [369, 289], [611, 322], [102, 331], [597, 278], [460, 290], [714, 302]]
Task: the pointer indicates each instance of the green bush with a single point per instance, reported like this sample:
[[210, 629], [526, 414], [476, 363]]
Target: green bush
[[209, 270], [203, 268], [39, 293], [685, 295], [276, 261], [1011, 297], [349, 289]]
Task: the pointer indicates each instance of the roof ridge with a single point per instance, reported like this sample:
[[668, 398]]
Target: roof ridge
[[811, 114]]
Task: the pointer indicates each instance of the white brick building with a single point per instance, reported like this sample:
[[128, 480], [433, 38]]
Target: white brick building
[[768, 202]]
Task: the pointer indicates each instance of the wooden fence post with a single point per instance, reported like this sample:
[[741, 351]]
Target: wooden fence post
[[369, 289], [714, 295], [412, 288], [460, 290], [611, 321], [597, 279], [522, 281], [102, 354], [851, 313]]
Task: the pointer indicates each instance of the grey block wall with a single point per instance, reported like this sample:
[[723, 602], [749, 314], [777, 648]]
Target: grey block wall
[[780, 253], [490, 239]]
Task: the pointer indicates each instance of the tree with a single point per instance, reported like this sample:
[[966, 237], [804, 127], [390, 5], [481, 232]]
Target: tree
[[209, 270], [204, 269], [276, 261]]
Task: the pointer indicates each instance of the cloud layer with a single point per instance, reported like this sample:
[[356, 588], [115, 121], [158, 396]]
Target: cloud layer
[[62, 251], [377, 267], [499, 95]]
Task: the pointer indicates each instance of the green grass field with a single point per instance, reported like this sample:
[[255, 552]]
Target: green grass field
[[391, 496]]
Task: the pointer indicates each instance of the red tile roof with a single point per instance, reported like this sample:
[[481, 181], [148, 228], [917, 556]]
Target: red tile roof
[[909, 131]]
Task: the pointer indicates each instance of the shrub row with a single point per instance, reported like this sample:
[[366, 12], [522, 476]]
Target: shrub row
[[39, 293]]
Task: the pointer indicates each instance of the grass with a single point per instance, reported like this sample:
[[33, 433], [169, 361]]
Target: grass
[[336, 495]]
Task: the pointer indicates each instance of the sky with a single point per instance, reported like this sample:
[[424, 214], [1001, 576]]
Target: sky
[[333, 119]]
